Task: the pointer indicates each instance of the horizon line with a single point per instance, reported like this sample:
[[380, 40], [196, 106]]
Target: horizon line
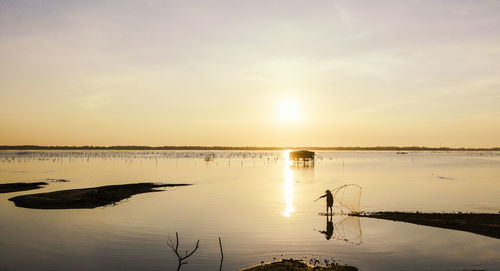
[[216, 147]]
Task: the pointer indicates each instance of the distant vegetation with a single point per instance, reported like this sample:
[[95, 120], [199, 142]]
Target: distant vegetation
[[225, 148]]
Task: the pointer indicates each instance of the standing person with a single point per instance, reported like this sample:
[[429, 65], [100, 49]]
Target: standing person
[[329, 201]]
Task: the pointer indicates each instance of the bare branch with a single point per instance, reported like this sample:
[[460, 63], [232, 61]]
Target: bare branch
[[189, 255], [221, 255], [176, 241], [175, 248]]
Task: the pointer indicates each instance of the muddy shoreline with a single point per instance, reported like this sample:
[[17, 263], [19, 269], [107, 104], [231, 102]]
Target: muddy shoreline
[[87, 198], [298, 265], [480, 223], [16, 187]]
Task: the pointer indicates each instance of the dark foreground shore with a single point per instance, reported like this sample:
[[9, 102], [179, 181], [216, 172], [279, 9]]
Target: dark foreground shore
[[479, 223], [298, 265], [87, 198], [16, 187]]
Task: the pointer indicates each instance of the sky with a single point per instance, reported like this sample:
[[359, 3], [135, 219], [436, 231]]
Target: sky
[[250, 73]]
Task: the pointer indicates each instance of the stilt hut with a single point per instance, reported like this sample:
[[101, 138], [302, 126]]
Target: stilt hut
[[304, 158]]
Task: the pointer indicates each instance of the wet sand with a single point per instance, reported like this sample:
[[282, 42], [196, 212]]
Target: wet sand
[[298, 265], [16, 187], [479, 223], [87, 198]]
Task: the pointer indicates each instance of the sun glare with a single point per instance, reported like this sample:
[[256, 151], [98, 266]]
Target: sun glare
[[288, 186], [289, 111]]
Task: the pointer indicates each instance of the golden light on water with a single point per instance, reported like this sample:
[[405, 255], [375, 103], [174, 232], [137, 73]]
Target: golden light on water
[[289, 110], [288, 186]]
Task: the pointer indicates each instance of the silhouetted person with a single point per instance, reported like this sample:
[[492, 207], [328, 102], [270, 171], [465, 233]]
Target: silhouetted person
[[329, 227], [329, 201]]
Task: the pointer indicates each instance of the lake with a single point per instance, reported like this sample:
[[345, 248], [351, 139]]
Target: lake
[[261, 207]]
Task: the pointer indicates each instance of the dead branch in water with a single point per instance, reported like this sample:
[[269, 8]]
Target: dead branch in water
[[221, 255], [175, 247]]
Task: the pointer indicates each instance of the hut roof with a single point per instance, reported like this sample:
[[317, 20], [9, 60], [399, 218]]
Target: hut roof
[[301, 154]]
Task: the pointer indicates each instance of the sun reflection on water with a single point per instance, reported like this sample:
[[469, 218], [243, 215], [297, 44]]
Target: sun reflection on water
[[288, 186]]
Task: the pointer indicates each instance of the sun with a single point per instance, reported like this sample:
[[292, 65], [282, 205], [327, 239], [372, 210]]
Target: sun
[[288, 110]]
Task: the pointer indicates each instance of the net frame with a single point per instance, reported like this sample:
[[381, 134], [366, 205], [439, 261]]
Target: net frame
[[351, 201]]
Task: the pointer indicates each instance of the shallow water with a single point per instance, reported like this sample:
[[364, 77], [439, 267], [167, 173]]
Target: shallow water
[[259, 206]]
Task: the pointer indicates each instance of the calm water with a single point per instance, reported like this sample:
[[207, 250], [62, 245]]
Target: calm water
[[259, 206]]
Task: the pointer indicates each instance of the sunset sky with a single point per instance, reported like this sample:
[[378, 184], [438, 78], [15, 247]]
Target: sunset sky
[[250, 73]]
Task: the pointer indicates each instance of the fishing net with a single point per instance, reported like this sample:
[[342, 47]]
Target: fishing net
[[347, 198]]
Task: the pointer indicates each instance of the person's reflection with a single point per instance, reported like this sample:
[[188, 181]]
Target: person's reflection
[[329, 227]]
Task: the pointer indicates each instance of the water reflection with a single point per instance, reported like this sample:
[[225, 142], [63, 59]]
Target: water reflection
[[29, 238], [304, 174], [329, 227], [288, 186], [343, 228]]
